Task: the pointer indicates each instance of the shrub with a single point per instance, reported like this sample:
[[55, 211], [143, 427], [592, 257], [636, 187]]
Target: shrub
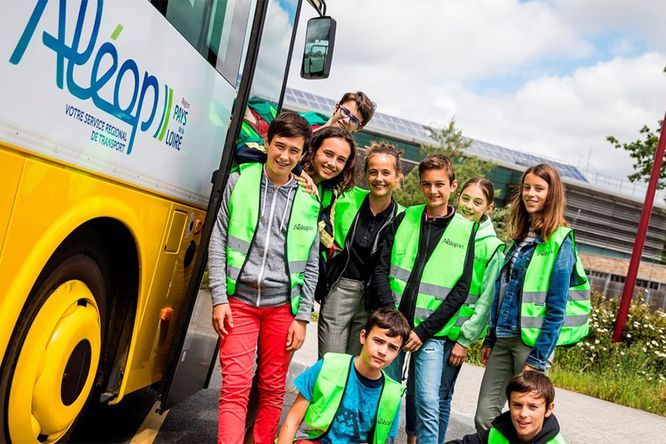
[[632, 372]]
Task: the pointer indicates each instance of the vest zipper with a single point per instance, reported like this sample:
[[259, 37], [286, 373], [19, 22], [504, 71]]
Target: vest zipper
[[412, 307], [375, 244], [266, 246], [347, 246]]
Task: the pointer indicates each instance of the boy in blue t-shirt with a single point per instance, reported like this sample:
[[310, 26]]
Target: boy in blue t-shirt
[[349, 399]]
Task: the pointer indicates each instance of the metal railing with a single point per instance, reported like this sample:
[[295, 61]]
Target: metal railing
[[613, 290]]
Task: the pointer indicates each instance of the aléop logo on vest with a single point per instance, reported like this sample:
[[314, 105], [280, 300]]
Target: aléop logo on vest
[[301, 227], [135, 96], [544, 252], [383, 421], [453, 244]]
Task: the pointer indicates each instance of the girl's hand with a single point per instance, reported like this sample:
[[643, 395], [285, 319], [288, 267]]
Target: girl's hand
[[306, 182], [413, 343], [457, 356], [485, 355]]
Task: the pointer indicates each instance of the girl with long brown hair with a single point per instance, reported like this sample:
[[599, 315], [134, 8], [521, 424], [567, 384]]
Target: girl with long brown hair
[[541, 293], [360, 218]]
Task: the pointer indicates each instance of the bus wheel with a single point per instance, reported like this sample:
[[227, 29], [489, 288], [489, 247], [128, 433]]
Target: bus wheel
[[56, 349]]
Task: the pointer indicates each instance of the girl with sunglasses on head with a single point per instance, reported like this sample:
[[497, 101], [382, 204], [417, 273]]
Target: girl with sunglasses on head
[[542, 295], [360, 217]]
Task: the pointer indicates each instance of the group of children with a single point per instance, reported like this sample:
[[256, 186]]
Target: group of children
[[403, 291]]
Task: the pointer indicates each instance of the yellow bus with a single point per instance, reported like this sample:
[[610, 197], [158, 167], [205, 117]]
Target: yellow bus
[[115, 116]]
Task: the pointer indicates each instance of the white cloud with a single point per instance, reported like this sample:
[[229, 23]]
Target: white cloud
[[523, 75]]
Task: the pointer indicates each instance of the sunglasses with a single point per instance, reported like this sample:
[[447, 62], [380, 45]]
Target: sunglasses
[[346, 114]]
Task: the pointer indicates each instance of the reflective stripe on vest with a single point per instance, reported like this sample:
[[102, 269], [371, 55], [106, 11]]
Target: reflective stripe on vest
[[345, 210], [329, 390], [244, 207], [484, 250], [496, 437], [441, 271], [535, 287]]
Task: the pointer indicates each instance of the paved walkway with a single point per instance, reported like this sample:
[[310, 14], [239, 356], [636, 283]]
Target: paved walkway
[[583, 419]]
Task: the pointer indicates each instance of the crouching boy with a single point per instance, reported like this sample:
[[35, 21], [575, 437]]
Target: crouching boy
[[530, 417], [350, 399], [263, 269]]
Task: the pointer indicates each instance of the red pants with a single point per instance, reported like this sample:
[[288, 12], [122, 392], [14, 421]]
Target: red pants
[[262, 331]]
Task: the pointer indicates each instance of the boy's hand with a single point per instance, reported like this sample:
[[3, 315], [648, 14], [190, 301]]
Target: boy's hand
[[296, 335], [485, 355], [306, 182], [457, 356], [413, 343], [222, 313]]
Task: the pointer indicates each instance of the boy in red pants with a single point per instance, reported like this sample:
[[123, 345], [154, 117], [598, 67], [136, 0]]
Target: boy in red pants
[[263, 269]]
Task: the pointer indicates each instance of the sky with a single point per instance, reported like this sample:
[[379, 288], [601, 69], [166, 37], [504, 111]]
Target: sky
[[552, 78]]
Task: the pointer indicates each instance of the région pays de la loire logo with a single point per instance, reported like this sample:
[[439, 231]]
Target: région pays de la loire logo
[[138, 109]]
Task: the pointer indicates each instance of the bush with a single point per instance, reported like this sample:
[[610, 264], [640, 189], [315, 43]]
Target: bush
[[631, 373]]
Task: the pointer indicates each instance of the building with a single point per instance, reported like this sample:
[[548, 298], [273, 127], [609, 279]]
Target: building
[[605, 215]]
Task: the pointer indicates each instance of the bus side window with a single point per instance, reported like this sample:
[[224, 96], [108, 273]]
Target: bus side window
[[216, 29]]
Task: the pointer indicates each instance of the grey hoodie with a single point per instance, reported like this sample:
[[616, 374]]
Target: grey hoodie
[[263, 281]]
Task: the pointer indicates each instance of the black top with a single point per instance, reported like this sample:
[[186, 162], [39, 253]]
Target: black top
[[370, 383], [431, 232], [367, 234], [366, 229]]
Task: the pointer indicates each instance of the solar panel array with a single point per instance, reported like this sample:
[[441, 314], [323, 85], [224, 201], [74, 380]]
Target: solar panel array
[[415, 132], [495, 152]]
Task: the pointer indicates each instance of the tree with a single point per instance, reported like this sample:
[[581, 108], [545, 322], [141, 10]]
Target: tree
[[500, 218], [642, 151], [450, 142]]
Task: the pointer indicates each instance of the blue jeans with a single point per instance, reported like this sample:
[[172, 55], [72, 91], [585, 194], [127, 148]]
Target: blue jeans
[[429, 391]]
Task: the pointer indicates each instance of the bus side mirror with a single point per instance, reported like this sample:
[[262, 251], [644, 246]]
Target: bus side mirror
[[318, 53]]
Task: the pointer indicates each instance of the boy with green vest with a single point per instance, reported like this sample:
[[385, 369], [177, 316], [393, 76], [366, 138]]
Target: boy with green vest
[[425, 270], [530, 418], [349, 399], [262, 273]]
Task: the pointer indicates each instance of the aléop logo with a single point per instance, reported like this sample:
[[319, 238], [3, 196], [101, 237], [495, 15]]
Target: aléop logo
[[126, 113]]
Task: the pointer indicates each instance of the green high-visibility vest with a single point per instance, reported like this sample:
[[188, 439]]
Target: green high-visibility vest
[[329, 390], [441, 271], [484, 250], [345, 211], [244, 208], [496, 437], [326, 195], [535, 288]]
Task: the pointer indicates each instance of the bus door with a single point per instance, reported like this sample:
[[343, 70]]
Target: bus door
[[264, 76]]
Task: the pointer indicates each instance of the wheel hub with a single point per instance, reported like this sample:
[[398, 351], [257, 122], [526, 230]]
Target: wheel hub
[[56, 367]]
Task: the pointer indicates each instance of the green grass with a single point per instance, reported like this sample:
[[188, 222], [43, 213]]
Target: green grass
[[617, 387], [631, 373]]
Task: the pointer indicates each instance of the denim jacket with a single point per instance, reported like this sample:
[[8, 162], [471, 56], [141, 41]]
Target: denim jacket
[[504, 318]]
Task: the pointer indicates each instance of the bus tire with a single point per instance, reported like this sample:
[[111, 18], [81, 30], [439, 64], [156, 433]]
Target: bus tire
[[51, 363]]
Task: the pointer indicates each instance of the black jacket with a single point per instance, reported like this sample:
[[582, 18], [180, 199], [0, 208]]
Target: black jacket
[[430, 235], [503, 423], [337, 265]]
